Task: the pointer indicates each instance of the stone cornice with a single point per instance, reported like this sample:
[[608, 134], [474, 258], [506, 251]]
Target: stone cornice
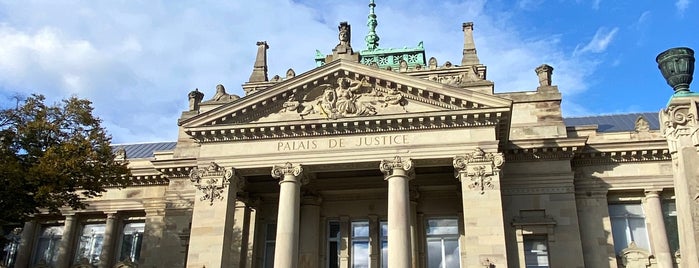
[[175, 168], [498, 117], [544, 149], [623, 151]]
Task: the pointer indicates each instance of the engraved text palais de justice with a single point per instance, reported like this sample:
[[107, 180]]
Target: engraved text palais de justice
[[338, 143]]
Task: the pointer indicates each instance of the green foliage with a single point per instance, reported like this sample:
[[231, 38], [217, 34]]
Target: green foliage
[[53, 156]]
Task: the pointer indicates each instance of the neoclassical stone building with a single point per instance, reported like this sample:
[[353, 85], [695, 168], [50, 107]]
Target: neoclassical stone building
[[385, 158]]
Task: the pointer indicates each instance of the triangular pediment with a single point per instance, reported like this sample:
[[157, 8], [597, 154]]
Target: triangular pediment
[[344, 92]]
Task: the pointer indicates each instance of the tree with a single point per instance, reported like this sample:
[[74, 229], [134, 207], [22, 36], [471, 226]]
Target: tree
[[53, 156]]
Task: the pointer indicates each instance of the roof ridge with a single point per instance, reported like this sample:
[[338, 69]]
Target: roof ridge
[[601, 115], [145, 142]]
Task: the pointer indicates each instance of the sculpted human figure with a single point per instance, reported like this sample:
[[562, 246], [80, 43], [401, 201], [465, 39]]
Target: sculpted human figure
[[346, 99], [344, 34], [221, 94]]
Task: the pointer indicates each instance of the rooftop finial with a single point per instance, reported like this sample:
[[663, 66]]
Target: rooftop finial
[[469, 54], [372, 39], [259, 70]]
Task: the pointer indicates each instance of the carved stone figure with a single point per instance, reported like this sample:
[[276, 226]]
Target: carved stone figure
[[642, 124], [344, 34], [393, 97], [120, 154], [432, 63], [195, 98], [221, 95], [290, 73], [403, 66]]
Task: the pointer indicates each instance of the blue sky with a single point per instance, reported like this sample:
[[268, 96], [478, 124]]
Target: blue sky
[[137, 60]]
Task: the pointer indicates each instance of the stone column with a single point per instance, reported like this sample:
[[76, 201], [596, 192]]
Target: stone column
[[211, 236], [109, 243], [309, 248], [398, 173], [678, 123], [656, 229], [24, 251], [286, 245], [153, 235], [484, 228], [65, 247], [242, 233]]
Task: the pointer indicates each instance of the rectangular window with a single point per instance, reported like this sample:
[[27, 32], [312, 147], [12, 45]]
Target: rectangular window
[[360, 244], [46, 251], [384, 244], [270, 240], [536, 254], [628, 225], [90, 243], [670, 217], [443, 243], [131, 240], [13, 237], [334, 244]]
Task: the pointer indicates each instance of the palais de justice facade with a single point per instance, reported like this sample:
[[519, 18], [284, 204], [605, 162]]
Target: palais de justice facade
[[387, 158]]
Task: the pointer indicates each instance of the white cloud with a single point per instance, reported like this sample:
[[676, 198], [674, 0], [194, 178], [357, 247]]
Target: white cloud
[[599, 42], [682, 5], [137, 62]]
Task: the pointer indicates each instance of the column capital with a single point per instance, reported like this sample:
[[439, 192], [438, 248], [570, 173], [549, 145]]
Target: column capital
[[388, 167], [478, 168], [282, 172], [652, 192], [478, 157], [213, 180], [678, 120]]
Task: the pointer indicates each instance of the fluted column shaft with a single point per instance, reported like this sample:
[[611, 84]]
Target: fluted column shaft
[[398, 173], [286, 245], [654, 216]]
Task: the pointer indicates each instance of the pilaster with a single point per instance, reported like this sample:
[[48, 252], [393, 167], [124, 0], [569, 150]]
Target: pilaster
[[678, 123], [595, 229], [398, 173], [153, 234], [309, 248], [211, 236], [479, 173]]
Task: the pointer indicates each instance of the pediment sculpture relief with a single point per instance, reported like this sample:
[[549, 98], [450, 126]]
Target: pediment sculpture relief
[[345, 98]]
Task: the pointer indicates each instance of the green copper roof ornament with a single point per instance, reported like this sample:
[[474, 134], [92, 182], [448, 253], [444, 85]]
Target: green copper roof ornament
[[372, 39]]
